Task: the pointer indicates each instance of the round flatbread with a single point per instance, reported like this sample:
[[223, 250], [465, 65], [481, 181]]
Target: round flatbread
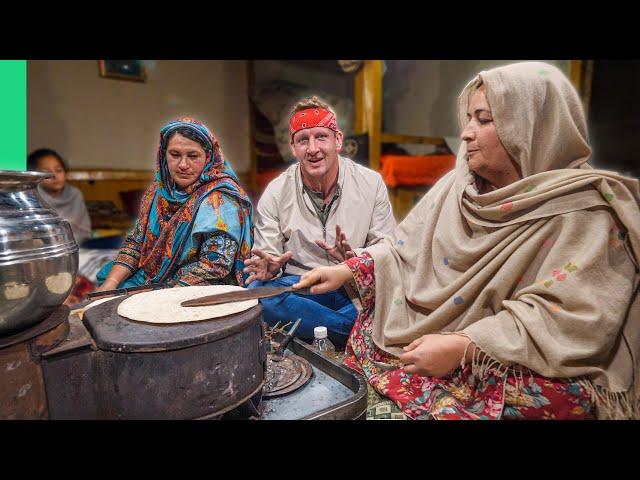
[[163, 306]]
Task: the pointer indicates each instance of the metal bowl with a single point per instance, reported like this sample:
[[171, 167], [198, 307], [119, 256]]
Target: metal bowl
[[38, 254]]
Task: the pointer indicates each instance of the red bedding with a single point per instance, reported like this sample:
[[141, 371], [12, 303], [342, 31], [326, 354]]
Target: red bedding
[[405, 170]]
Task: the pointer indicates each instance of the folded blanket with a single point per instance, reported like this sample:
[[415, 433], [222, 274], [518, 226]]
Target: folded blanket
[[405, 170]]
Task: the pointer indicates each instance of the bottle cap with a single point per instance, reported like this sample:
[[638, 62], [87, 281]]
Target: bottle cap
[[320, 332]]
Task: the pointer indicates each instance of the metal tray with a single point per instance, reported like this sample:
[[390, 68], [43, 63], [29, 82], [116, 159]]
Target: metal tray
[[333, 393]]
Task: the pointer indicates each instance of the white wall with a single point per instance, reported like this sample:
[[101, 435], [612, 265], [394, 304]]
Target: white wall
[[97, 122]]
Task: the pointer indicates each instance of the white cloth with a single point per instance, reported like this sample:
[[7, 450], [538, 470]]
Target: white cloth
[[91, 260]]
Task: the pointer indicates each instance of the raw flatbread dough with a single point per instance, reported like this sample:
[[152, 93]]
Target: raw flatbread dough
[[80, 311], [99, 301], [163, 306]]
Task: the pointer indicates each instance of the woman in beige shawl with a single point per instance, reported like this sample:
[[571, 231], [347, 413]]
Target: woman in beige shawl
[[509, 291]]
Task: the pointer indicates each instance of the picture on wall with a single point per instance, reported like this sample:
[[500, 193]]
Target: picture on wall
[[133, 70]]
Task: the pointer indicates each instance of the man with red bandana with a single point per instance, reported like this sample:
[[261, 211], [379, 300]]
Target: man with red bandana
[[320, 211]]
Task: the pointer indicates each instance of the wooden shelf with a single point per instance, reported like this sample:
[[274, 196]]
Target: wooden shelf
[[106, 174], [368, 113]]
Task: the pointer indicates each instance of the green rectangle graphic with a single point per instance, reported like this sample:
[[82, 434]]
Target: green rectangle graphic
[[13, 114]]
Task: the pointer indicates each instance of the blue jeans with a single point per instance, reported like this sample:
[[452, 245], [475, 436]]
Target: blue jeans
[[333, 310]]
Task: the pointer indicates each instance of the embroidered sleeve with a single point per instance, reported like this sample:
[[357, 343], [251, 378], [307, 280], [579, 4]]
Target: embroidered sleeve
[[362, 268], [215, 262], [129, 254]]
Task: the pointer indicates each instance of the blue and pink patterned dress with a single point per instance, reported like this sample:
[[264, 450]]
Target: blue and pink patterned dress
[[201, 235]]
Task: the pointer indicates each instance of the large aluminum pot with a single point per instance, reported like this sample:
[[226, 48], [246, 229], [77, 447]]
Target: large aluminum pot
[[38, 254]]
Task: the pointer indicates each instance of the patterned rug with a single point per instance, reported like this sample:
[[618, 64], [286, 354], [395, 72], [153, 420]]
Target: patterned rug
[[379, 407]]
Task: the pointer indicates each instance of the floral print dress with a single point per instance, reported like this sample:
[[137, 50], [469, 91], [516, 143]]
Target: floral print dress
[[461, 394]]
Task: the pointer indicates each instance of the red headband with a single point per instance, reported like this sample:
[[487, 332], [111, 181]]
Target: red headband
[[312, 117]]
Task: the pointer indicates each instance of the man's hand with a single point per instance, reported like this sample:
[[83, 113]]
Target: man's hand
[[264, 266], [341, 250], [325, 279], [435, 355]]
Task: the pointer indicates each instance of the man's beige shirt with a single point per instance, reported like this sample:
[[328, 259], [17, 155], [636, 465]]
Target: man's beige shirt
[[286, 220]]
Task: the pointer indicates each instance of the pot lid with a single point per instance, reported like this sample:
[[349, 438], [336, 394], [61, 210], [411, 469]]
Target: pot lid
[[16, 178]]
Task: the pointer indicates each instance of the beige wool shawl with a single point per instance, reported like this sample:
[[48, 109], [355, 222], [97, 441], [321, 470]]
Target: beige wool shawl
[[540, 274]]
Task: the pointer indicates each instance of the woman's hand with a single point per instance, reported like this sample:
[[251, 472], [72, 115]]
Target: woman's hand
[[341, 250], [117, 275], [435, 355], [264, 266], [109, 284], [325, 279]]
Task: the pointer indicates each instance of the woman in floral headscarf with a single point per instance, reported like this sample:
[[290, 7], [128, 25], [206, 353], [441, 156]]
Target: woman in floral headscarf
[[510, 290], [194, 225]]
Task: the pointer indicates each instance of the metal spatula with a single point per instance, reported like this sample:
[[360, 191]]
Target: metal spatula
[[241, 296]]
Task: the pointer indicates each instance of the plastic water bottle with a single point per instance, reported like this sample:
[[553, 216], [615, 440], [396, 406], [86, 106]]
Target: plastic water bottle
[[321, 343]]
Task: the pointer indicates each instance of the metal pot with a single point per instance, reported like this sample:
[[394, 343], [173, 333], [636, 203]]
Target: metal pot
[[38, 253]]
